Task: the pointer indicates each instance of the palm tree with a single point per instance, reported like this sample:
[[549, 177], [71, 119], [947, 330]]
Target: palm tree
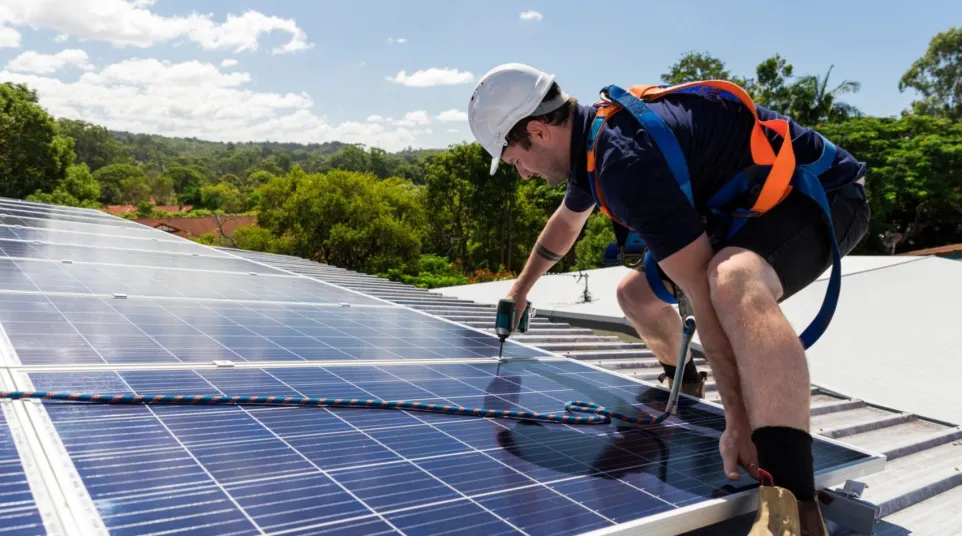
[[814, 103]]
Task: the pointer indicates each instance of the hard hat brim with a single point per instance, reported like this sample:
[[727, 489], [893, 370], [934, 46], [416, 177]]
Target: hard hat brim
[[495, 160]]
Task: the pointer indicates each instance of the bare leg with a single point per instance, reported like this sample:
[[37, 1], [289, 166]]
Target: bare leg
[[771, 362], [656, 322]]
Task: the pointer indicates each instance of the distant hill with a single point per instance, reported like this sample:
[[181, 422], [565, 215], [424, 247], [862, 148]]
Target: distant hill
[[200, 147]]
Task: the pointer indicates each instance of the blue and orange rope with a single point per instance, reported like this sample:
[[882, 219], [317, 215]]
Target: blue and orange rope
[[598, 414]]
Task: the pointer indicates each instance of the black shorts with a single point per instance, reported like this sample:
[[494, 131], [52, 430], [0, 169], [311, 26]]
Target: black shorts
[[793, 236]]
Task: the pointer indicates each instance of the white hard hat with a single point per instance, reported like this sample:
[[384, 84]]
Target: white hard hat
[[505, 95]]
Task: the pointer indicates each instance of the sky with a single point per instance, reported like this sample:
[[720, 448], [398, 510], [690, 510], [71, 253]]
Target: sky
[[395, 74]]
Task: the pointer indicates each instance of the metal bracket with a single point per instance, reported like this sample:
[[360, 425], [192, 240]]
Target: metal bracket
[[846, 508], [225, 363]]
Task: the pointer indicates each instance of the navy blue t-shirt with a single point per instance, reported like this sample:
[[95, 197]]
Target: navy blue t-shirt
[[714, 134]]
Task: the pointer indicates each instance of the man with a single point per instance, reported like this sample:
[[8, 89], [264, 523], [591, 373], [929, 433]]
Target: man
[[735, 280]]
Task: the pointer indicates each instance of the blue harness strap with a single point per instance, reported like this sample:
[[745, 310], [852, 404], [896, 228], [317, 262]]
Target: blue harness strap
[[805, 180]]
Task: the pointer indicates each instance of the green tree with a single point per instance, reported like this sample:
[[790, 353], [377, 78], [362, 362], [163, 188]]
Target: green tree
[[693, 66], [771, 88], [33, 156], [590, 249], [78, 189], [134, 189], [938, 77], [815, 103], [350, 158], [162, 189], [94, 144], [119, 182], [145, 209], [347, 219], [222, 196], [915, 179]]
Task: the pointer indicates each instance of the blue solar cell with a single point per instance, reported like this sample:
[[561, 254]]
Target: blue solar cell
[[18, 511], [42, 221], [147, 281], [460, 517], [541, 478], [153, 242], [41, 214], [58, 252], [82, 330]]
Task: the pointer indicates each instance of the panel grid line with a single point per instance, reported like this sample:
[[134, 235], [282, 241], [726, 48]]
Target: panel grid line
[[428, 473], [179, 442], [305, 458]]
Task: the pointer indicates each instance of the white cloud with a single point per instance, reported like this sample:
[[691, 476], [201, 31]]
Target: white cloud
[[61, 38], [197, 99], [452, 115], [133, 24], [411, 119], [9, 38], [398, 40], [452, 131], [151, 72], [228, 62], [374, 119], [37, 63], [531, 15], [432, 77]]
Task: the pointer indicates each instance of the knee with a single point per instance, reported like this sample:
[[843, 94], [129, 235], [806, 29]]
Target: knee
[[741, 281], [636, 297]]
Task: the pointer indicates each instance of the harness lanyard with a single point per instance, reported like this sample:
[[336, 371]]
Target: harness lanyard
[[783, 176]]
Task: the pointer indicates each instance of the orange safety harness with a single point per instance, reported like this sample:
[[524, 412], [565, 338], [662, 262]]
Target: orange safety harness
[[784, 174]]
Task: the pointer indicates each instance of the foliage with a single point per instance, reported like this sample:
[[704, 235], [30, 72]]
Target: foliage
[[695, 66], [345, 218], [33, 156], [591, 248], [431, 271], [94, 144], [938, 77], [78, 189], [122, 184], [915, 177]]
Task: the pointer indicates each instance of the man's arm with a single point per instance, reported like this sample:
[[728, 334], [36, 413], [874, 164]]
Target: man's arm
[[688, 267], [557, 237]]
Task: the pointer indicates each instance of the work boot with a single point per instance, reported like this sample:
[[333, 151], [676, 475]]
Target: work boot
[[694, 389], [780, 514], [777, 513], [810, 518]]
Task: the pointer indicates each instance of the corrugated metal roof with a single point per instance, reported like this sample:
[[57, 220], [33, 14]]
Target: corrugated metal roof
[[917, 492]]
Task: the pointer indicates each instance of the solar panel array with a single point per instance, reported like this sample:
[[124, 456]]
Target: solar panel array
[[97, 304]]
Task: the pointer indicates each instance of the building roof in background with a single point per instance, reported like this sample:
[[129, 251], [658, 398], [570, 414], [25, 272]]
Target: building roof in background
[[188, 227], [119, 210], [951, 249]]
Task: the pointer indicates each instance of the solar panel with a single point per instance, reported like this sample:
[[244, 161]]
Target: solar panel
[[19, 513], [157, 242], [119, 320]]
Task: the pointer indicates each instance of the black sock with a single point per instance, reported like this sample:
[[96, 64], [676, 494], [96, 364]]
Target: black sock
[[786, 454], [690, 375]]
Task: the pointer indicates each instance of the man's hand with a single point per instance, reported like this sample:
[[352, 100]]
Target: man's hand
[[737, 449]]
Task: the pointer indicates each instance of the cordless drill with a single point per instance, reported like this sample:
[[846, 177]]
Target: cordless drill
[[505, 320]]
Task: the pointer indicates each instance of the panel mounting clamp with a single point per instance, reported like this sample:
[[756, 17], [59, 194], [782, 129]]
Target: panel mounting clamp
[[846, 508]]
